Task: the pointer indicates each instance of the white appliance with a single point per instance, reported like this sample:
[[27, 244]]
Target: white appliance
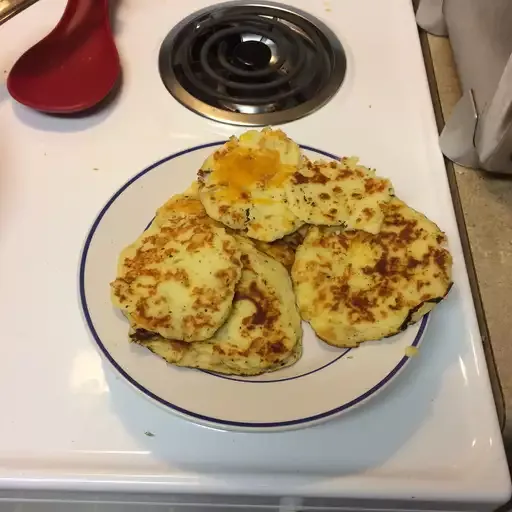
[[75, 436]]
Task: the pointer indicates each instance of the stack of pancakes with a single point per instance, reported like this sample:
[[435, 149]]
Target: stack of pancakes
[[222, 277], [201, 295]]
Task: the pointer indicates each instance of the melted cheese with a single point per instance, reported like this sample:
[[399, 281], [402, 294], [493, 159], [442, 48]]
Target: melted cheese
[[243, 169]]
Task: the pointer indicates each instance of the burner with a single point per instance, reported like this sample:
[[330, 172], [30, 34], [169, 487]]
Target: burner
[[254, 54], [252, 64]]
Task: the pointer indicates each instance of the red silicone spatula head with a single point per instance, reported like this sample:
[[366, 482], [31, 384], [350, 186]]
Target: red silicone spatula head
[[74, 67]]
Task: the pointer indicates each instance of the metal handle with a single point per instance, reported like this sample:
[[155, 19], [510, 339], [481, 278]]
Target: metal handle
[[9, 8]]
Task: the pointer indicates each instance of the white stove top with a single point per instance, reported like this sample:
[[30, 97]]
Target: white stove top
[[70, 423]]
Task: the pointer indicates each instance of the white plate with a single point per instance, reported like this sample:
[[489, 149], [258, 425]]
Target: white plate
[[323, 384]]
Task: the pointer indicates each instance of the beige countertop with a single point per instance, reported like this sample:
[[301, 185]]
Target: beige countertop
[[486, 202]]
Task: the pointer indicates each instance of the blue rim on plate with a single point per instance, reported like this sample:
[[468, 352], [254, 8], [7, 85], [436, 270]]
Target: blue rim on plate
[[248, 381], [181, 410]]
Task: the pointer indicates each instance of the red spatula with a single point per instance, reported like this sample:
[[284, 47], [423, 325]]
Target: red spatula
[[74, 67]]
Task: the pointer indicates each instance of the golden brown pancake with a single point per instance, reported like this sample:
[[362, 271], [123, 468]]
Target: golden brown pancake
[[262, 333], [282, 250], [242, 184], [178, 278], [353, 286], [338, 193]]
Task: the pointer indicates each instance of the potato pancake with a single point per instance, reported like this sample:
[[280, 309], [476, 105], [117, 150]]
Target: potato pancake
[[282, 250], [262, 333], [178, 278], [338, 193], [354, 286], [242, 184]]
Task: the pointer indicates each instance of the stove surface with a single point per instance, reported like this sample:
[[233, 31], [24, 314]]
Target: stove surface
[[70, 423]]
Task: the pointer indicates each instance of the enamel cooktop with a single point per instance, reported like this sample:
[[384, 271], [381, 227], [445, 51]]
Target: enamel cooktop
[[71, 423]]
